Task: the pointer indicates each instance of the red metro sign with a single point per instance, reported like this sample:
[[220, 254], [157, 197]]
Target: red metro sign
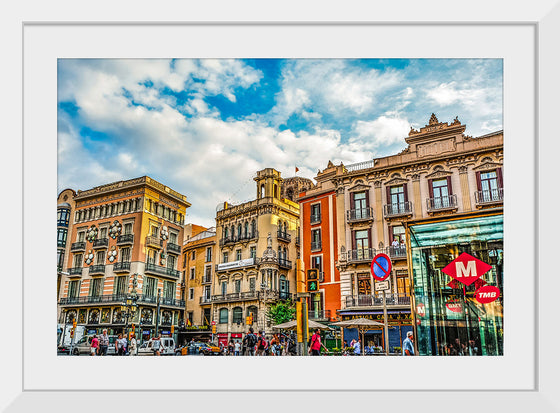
[[466, 268], [487, 294]]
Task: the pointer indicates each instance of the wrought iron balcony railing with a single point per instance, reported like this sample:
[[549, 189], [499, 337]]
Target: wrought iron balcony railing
[[442, 202], [232, 239], [489, 196], [78, 246], [396, 252], [121, 298], [397, 209], [375, 301], [173, 248], [284, 236], [101, 243], [284, 263], [315, 218], [316, 245], [357, 215], [123, 266], [153, 241], [159, 270], [360, 255], [97, 269], [125, 239], [75, 271]]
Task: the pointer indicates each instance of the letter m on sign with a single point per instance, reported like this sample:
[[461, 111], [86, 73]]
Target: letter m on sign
[[466, 268]]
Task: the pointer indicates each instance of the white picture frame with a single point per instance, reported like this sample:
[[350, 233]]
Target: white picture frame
[[26, 384]]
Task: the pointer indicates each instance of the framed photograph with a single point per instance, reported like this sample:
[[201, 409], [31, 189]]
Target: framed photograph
[[522, 38]]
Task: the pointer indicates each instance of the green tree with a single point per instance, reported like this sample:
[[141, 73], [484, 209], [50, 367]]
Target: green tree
[[281, 312]]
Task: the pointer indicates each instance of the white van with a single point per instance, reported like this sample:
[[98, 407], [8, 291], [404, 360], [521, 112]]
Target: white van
[[167, 347]]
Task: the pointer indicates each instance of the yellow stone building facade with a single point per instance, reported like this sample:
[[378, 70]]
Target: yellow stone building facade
[[126, 239]]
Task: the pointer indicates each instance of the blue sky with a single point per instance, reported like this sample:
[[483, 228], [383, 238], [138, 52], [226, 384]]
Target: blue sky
[[204, 127]]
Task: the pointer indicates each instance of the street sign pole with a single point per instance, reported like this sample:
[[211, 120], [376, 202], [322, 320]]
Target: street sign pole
[[385, 322]]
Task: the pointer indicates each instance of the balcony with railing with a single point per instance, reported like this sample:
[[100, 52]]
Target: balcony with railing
[[206, 279], [315, 218], [442, 203], [316, 245], [397, 209], [169, 302], [284, 263], [75, 271], [173, 248], [284, 236], [359, 215], [98, 269], [395, 300], [205, 300], [123, 266], [152, 241], [395, 252], [319, 314], [101, 243], [164, 271], [113, 298], [232, 239], [490, 196], [360, 255], [125, 239], [78, 246]]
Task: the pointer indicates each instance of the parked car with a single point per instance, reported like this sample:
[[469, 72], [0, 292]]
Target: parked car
[[167, 347], [198, 348]]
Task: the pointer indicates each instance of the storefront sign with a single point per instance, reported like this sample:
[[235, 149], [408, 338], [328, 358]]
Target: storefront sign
[[454, 305], [236, 264], [487, 294], [466, 268]]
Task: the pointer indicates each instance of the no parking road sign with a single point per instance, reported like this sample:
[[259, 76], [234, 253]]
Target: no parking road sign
[[381, 267]]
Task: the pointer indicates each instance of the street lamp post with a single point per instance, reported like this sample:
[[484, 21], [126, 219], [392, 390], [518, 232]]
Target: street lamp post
[[157, 310], [129, 306]]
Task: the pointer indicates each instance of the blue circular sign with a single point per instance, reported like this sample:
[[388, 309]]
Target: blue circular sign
[[381, 267]]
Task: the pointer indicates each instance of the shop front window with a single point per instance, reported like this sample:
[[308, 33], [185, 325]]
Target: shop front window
[[450, 320]]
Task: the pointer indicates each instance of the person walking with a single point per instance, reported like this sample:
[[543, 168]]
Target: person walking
[[236, 348], [408, 345], [120, 345], [156, 346], [133, 348], [94, 349], [103, 343], [315, 347], [249, 342], [261, 344]]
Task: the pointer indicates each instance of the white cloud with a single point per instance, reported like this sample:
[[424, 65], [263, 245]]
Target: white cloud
[[383, 131]]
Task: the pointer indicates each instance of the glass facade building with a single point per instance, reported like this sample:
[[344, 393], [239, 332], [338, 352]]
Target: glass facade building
[[449, 319]]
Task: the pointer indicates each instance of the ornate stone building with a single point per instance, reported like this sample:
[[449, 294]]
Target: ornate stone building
[[256, 260], [442, 174], [64, 223], [125, 239]]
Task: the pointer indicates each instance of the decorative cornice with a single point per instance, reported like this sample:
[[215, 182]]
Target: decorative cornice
[[487, 166]]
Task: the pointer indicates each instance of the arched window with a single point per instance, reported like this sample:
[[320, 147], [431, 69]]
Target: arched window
[[237, 315], [246, 230], [239, 231], [262, 190], [224, 316]]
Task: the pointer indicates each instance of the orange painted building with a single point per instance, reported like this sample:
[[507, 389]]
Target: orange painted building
[[319, 246]]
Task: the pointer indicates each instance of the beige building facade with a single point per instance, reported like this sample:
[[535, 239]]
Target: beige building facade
[[256, 258]]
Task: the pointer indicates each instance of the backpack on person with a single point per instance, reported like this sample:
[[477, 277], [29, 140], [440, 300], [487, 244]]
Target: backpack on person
[[251, 340]]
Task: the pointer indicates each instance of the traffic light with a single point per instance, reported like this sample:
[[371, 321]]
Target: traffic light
[[312, 280], [172, 329], [213, 329], [74, 323], [249, 320]]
